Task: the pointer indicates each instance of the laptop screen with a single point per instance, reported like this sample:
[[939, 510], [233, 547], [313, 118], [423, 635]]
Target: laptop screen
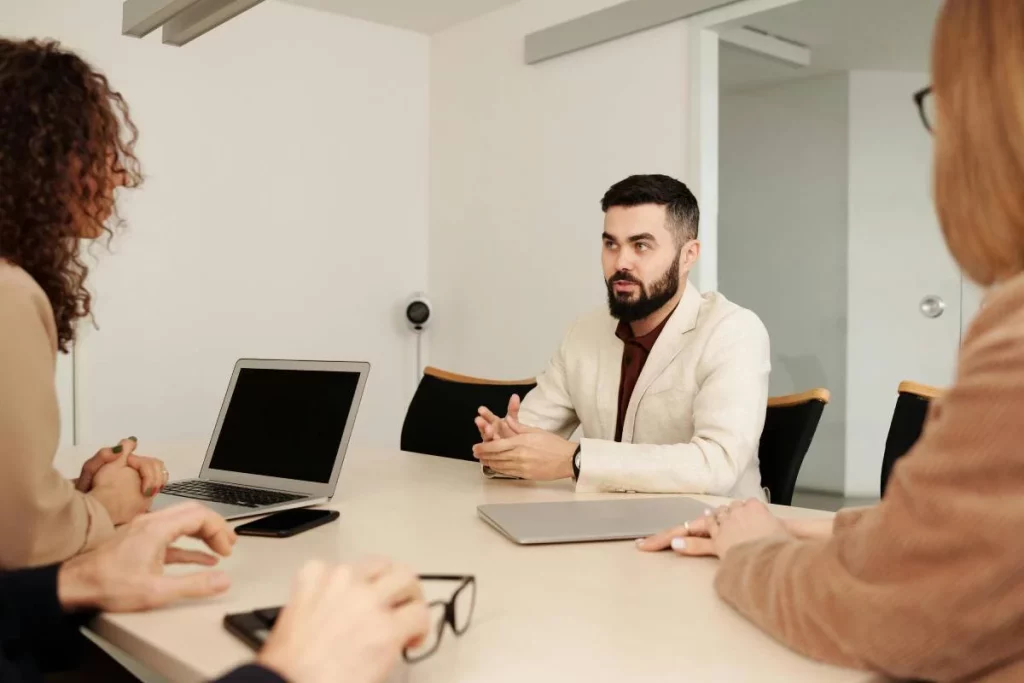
[[285, 423]]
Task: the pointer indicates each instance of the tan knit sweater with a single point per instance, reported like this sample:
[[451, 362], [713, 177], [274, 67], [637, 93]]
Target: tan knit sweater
[[930, 583], [43, 519]]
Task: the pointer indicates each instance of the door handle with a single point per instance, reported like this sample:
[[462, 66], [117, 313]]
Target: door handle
[[932, 306]]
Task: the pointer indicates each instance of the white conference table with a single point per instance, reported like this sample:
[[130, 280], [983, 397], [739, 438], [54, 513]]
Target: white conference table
[[581, 612]]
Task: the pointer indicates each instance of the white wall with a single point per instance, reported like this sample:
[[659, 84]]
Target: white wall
[[897, 257], [783, 245], [285, 212], [521, 156]]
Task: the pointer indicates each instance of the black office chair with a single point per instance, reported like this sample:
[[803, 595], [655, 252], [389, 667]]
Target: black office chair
[[440, 417], [912, 403], [789, 428]]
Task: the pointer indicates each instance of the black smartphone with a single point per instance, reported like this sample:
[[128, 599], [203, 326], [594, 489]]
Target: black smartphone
[[288, 523], [252, 628]]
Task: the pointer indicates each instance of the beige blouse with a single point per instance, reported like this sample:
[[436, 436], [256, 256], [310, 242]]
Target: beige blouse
[[43, 519], [930, 583]]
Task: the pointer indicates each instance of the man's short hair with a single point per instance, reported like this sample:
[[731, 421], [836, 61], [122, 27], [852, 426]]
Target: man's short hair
[[680, 205]]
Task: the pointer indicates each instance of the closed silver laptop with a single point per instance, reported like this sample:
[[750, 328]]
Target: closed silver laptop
[[280, 438], [592, 520]]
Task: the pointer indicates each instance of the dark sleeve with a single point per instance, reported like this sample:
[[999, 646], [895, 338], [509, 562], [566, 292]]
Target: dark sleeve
[[251, 674], [35, 633], [9, 671], [29, 607]]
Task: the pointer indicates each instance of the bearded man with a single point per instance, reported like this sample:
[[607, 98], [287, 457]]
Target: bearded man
[[668, 386]]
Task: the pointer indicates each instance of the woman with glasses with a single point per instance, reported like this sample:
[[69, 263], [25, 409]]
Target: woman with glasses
[[929, 584]]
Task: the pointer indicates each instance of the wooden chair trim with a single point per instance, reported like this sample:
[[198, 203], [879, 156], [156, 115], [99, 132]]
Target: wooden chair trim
[[922, 390], [822, 395], [466, 379]]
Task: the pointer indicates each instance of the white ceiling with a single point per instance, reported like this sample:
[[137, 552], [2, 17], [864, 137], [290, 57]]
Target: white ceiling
[[884, 35], [424, 16]]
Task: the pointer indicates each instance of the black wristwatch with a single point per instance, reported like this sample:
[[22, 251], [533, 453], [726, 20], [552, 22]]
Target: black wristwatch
[[576, 457]]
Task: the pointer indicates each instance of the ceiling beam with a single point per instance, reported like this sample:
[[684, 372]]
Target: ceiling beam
[[183, 20], [608, 24], [139, 18], [202, 17]]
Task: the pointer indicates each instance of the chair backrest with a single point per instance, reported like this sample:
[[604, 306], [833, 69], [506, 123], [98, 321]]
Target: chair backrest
[[789, 427], [440, 417], [908, 417]]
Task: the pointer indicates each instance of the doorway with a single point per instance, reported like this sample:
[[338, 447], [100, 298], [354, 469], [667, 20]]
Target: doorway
[[813, 153]]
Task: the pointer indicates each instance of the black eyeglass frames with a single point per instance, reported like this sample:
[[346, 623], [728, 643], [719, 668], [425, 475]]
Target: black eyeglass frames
[[457, 612], [926, 107]]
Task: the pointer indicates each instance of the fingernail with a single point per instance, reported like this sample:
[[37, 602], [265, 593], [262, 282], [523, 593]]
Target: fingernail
[[149, 492], [686, 525], [708, 513], [117, 448], [640, 541], [678, 544], [219, 581]]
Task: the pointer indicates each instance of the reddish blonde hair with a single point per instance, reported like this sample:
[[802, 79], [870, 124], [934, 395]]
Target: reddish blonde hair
[[978, 65]]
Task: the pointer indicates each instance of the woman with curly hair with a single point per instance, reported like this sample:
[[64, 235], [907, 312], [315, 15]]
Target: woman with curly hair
[[66, 144]]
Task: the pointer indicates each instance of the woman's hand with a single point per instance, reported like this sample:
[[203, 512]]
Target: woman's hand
[[118, 488], [151, 471], [719, 531], [103, 457]]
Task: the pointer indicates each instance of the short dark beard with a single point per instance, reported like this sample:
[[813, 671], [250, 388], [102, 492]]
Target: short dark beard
[[648, 303]]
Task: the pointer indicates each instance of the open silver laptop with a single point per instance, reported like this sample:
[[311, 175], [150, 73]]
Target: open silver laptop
[[592, 520], [280, 438]]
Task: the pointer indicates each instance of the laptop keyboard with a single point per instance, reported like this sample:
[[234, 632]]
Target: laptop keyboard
[[229, 494]]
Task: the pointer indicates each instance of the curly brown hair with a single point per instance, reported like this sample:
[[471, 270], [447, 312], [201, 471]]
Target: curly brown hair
[[66, 142]]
